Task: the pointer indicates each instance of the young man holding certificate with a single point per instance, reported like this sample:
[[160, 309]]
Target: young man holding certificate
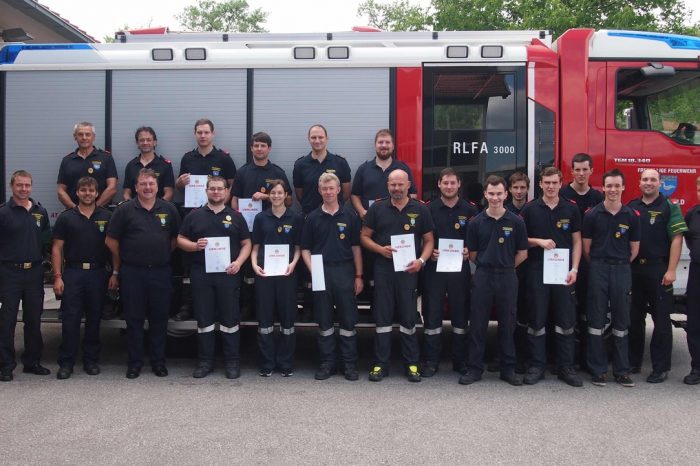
[[554, 236], [447, 273], [497, 243], [330, 246], [276, 252], [399, 230], [218, 238]]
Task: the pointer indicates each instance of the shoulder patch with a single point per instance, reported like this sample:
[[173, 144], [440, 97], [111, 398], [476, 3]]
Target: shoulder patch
[[571, 201], [636, 212]]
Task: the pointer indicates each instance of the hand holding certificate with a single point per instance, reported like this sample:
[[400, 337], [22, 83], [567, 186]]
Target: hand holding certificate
[[249, 209], [450, 258], [217, 254], [276, 259], [404, 251], [196, 191], [556, 266]]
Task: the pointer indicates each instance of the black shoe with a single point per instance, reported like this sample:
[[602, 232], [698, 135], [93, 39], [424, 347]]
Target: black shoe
[[624, 380], [534, 375], [289, 372], [635, 370], [521, 368], [133, 372], [233, 370], [201, 371], [459, 368], [691, 379], [324, 372], [184, 314], [412, 373], [6, 376], [569, 376], [377, 374], [657, 377], [265, 372], [160, 371], [64, 372], [350, 373], [428, 369], [469, 378], [36, 369], [91, 368], [513, 379], [599, 380]]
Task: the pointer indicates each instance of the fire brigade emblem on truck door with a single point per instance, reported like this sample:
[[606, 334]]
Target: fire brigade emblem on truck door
[[669, 183]]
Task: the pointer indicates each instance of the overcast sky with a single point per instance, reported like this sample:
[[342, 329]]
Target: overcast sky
[[103, 17]]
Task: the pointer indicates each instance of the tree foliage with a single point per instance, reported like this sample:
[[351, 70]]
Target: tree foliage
[[554, 15], [225, 16]]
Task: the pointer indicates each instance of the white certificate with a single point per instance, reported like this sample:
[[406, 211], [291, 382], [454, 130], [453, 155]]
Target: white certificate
[[318, 280], [450, 258], [405, 251], [249, 209], [276, 259], [196, 191], [556, 266], [217, 254]]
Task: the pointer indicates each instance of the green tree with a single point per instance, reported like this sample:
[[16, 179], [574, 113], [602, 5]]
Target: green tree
[[399, 15], [224, 16]]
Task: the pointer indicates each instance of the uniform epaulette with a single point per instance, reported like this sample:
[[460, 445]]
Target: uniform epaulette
[[381, 199], [673, 201], [636, 212], [340, 156], [300, 158], [165, 160], [104, 151], [122, 202], [422, 201], [471, 202], [572, 201]]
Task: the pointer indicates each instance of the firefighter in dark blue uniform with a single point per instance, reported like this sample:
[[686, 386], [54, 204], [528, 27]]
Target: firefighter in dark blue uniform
[[497, 243], [79, 239], [580, 192], [334, 233], [276, 226], [215, 294], [141, 236], [146, 140], [396, 292], [552, 222], [610, 242], [24, 235], [450, 215], [653, 274], [692, 239], [86, 160]]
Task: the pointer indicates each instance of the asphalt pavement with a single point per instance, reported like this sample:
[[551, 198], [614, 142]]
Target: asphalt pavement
[[108, 419]]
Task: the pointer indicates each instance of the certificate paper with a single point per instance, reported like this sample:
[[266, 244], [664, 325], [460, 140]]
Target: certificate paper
[[249, 209], [318, 279], [196, 191], [450, 258], [276, 259], [405, 251], [556, 266], [217, 254]]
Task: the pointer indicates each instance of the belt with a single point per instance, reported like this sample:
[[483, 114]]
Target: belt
[[84, 265], [643, 261], [611, 261], [22, 265]]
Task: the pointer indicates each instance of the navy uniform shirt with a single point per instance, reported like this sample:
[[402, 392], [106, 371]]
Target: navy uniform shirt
[[556, 224], [659, 222], [215, 163], [23, 233], [451, 222], [370, 181], [84, 238], [251, 179], [692, 236], [144, 235], [584, 201], [99, 165], [270, 229], [496, 241], [163, 168], [333, 236], [510, 206], [386, 220], [205, 223], [307, 171], [611, 234]]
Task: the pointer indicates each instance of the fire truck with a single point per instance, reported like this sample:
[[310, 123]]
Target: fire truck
[[486, 102]]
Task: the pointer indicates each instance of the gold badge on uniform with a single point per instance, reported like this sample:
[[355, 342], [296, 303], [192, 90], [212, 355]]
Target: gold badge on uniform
[[90, 170], [342, 236], [501, 240], [279, 229], [228, 217], [262, 190], [457, 226], [617, 234], [407, 227]]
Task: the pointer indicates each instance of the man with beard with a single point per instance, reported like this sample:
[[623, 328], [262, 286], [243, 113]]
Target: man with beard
[[147, 141], [79, 239]]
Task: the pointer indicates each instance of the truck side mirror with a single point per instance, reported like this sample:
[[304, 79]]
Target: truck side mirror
[[657, 69]]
